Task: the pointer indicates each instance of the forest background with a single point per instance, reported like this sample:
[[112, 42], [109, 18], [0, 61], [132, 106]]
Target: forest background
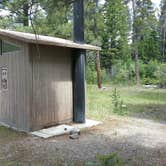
[[131, 33]]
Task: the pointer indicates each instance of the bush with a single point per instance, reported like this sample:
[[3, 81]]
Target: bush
[[104, 77], [150, 81], [125, 73], [147, 72], [110, 160], [122, 73], [118, 106], [161, 75], [91, 75]]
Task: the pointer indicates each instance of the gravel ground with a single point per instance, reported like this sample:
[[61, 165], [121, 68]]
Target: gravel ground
[[138, 142]]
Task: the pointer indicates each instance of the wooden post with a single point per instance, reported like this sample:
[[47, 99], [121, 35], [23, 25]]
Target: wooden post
[[98, 70], [79, 64]]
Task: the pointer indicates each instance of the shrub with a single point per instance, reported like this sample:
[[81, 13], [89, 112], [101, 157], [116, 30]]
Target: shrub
[[147, 72], [122, 73], [91, 75], [110, 160], [161, 75], [118, 106], [150, 81], [105, 78]]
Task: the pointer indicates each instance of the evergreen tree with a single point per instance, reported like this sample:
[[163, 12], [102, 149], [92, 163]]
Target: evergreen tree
[[57, 20], [114, 37], [145, 42], [19, 8], [147, 35], [94, 22]]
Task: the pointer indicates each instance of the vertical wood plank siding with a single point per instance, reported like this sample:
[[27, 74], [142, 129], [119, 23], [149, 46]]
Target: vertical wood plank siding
[[52, 86], [15, 103], [39, 87]]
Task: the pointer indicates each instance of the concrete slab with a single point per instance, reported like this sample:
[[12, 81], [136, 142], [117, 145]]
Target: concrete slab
[[53, 131], [88, 124], [64, 129]]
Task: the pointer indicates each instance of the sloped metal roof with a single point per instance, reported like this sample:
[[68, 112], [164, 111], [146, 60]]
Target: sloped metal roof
[[45, 40]]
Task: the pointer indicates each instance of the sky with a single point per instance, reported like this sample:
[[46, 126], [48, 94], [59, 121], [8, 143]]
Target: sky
[[156, 2], [4, 13]]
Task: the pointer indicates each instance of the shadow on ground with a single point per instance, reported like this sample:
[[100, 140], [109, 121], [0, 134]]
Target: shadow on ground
[[155, 112]]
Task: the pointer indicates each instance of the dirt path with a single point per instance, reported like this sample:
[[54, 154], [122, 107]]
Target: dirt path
[[138, 142]]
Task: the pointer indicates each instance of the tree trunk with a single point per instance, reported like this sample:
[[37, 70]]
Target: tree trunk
[[135, 44], [137, 69], [95, 20], [95, 31], [163, 47], [98, 70]]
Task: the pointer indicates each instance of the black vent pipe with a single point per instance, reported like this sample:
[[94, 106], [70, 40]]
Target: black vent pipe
[[78, 64]]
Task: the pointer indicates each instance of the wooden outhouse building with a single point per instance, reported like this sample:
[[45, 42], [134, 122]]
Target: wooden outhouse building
[[36, 85]]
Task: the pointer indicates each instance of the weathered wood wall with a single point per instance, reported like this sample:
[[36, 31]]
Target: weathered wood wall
[[40, 91], [52, 86], [15, 103]]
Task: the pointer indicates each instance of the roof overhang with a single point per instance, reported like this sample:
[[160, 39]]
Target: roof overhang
[[45, 40]]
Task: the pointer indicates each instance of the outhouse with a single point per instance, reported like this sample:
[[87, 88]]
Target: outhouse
[[36, 85]]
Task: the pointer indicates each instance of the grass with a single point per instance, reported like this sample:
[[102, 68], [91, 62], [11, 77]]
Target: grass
[[7, 135], [147, 103]]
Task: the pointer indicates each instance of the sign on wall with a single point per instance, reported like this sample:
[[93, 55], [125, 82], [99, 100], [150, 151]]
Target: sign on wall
[[4, 78]]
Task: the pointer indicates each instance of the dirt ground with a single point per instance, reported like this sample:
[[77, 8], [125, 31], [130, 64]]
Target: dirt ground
[[138, 142]]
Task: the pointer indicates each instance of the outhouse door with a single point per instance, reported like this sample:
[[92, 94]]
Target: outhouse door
[[52, 86]]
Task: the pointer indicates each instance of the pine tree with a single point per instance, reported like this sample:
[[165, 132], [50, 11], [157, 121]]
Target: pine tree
[[115, 33], [93, 22], [146, 23], [145, 35], [20, 9]]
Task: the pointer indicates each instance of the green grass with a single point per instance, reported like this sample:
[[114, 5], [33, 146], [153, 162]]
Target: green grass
[[7, 135], [147, 103]]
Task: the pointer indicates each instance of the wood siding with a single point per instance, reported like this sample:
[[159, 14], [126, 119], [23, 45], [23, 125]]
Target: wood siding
[[52, 86], [40, 91], [15, 103]]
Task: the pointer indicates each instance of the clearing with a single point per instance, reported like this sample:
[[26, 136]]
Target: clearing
[[138, 137]]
